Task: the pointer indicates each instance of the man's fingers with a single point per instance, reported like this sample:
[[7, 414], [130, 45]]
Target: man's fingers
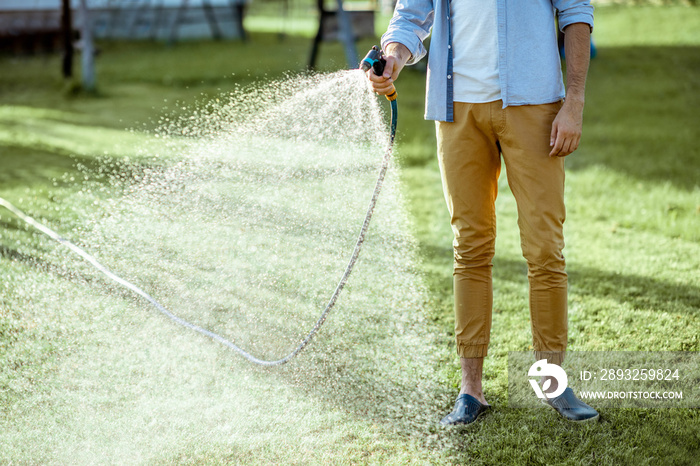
[[566, 148], [563, 142], [382, 88], [566, 131], [556, 150], [374, 78], [553, 134], [391, 69], [380, 84], [556, 145], [388, 67], [573, 145]]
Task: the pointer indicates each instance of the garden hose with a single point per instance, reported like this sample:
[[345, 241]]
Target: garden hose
[[178, 320]]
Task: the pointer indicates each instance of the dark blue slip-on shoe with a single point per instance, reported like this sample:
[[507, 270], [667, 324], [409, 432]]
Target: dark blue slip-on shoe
[[467, 409], [572, 408]]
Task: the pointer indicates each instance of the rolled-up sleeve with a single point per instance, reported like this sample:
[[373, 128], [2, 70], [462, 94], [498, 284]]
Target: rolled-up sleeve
[[410, 26], [574, 11]]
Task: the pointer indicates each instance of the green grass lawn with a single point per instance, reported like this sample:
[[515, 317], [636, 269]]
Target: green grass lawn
[[633, 253]]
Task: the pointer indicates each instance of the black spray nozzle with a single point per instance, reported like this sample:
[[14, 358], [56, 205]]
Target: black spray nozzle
[[374, 60]]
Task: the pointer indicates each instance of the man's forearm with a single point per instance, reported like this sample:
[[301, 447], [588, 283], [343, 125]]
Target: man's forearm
[[577, 46], [568, 124]]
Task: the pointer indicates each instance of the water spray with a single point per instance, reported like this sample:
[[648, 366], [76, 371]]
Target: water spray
[[374, 60]]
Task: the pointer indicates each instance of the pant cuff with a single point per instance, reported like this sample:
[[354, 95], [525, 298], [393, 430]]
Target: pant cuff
[[471, 351], [552, 357]]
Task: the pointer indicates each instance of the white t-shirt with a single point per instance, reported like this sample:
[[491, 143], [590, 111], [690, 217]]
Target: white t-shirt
[[475, 51]]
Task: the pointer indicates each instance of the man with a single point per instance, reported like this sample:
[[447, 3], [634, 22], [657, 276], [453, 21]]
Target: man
[[495, 88]]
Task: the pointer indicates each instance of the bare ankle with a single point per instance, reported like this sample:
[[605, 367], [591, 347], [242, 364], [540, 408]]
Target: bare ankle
[[472, 370]]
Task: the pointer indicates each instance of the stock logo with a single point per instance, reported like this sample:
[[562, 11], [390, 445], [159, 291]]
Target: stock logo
[[543, 369]]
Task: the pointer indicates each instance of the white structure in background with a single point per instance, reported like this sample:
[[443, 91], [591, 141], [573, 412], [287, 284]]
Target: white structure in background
[[387, 6], [130, 19], [88, 49]]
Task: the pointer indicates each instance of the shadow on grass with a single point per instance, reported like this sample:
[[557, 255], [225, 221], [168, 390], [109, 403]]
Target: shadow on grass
[[23, 166], [32, 166], [35, 167], [640, 292], [641, 114]]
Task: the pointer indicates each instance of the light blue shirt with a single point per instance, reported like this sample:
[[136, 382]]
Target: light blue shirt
[[528, 56]]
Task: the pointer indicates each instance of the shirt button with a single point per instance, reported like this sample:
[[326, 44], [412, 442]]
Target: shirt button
[[449, 46], [449, 76]]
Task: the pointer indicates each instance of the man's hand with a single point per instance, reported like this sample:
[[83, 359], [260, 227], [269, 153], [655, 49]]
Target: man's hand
[[396, 56], [566, 128]]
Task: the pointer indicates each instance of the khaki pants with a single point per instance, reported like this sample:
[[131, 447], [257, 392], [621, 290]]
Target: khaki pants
[[469, 152]]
